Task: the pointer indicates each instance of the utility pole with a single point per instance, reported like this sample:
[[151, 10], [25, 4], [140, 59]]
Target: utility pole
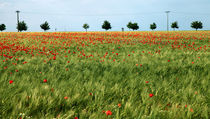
[[17, 18], [167, 12]]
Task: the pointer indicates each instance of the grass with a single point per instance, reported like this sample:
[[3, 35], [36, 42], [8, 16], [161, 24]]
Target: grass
[[86, 78]]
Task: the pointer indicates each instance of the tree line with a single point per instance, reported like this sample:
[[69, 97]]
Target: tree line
[[21, 26]]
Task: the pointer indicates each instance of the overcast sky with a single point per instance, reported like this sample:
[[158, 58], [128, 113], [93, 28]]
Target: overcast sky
[[70, 15]]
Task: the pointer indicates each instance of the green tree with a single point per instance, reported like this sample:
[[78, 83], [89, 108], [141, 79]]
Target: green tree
[[153, 26], [174, 25], [129, 25], [106, 25], [2, 27], [86, 26], [45, 26], [197, 25], [133, 26], [22, 26]]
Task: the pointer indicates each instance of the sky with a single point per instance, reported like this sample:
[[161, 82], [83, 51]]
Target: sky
[[70, 15]]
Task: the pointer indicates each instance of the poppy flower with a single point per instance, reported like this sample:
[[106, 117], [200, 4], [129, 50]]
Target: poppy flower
[[54, 58], [11, 81], [45, 80], [191, 110], [119, 105], [108, 112], [151, 95], [66, 98], [76, 118], [146, 81]]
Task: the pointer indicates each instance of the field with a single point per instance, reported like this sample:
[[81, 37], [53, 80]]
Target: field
[[105, 75]]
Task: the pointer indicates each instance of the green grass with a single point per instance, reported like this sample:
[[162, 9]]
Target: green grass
[[180, 86]]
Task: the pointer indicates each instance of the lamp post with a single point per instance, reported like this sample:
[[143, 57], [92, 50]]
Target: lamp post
[[167, 12], [17, 18]]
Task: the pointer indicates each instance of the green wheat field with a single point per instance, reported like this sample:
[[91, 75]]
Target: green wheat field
[[105, 75]]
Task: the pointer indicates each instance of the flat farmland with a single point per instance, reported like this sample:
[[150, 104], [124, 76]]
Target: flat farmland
[[105, 75]]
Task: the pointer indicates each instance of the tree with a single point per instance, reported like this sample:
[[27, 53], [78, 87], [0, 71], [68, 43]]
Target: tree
[[197, 25], [45, 26], [106, 25], [22, 26], [129, 25], [2, 27], [86, 26], [153, 26], [133, 26], [174, 25]]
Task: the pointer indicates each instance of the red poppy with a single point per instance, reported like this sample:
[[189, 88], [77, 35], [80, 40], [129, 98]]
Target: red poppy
[[11, 81], [191, 110], [54, 58], [146, 81], [108, 112], [119, 105], [76, 118], [66, 97], [45, 80], [151, 95]]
